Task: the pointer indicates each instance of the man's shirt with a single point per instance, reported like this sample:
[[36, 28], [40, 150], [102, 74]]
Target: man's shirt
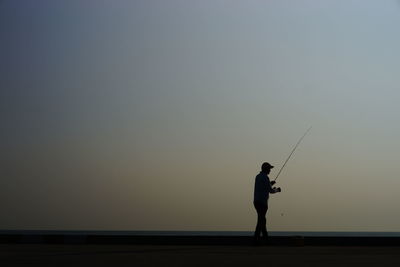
[[262, 188]]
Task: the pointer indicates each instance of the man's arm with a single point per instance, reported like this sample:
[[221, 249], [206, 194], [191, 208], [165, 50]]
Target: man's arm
[[269, 186], [273, 190]]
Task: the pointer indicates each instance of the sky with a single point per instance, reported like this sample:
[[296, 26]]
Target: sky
[[157, 115]]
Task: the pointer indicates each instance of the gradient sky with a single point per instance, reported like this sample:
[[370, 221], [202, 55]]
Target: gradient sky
[[156, 115]]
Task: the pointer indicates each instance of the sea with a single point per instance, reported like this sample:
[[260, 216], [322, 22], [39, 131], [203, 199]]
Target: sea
[[200, 233]]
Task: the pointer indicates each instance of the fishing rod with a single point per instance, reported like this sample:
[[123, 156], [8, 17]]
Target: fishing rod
[[297, 144]]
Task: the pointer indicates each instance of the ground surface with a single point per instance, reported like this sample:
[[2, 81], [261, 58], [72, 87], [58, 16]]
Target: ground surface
[[147, 255]]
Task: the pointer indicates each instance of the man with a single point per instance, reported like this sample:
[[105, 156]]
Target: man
[[262, 189]]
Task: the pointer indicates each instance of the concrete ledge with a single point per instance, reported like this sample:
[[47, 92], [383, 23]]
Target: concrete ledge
[[49, 238]]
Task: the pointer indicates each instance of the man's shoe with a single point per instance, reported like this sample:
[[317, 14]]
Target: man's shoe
[[257, 241], [266, 241]]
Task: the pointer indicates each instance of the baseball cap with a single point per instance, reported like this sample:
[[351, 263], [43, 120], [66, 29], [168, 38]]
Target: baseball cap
[[266, 165]]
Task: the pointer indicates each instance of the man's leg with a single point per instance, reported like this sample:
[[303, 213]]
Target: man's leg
[[261, 222], [264, 222]]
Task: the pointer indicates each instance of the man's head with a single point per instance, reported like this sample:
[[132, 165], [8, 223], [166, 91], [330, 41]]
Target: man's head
[[266, 167]]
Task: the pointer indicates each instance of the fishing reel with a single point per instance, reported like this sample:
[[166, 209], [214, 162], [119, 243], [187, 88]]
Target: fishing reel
[[277, 189]]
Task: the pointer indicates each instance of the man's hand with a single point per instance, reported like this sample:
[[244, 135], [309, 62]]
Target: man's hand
[[273, 182], [277, 189]]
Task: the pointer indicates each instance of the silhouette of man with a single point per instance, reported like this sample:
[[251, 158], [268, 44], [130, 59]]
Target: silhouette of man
[[262, 189]]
